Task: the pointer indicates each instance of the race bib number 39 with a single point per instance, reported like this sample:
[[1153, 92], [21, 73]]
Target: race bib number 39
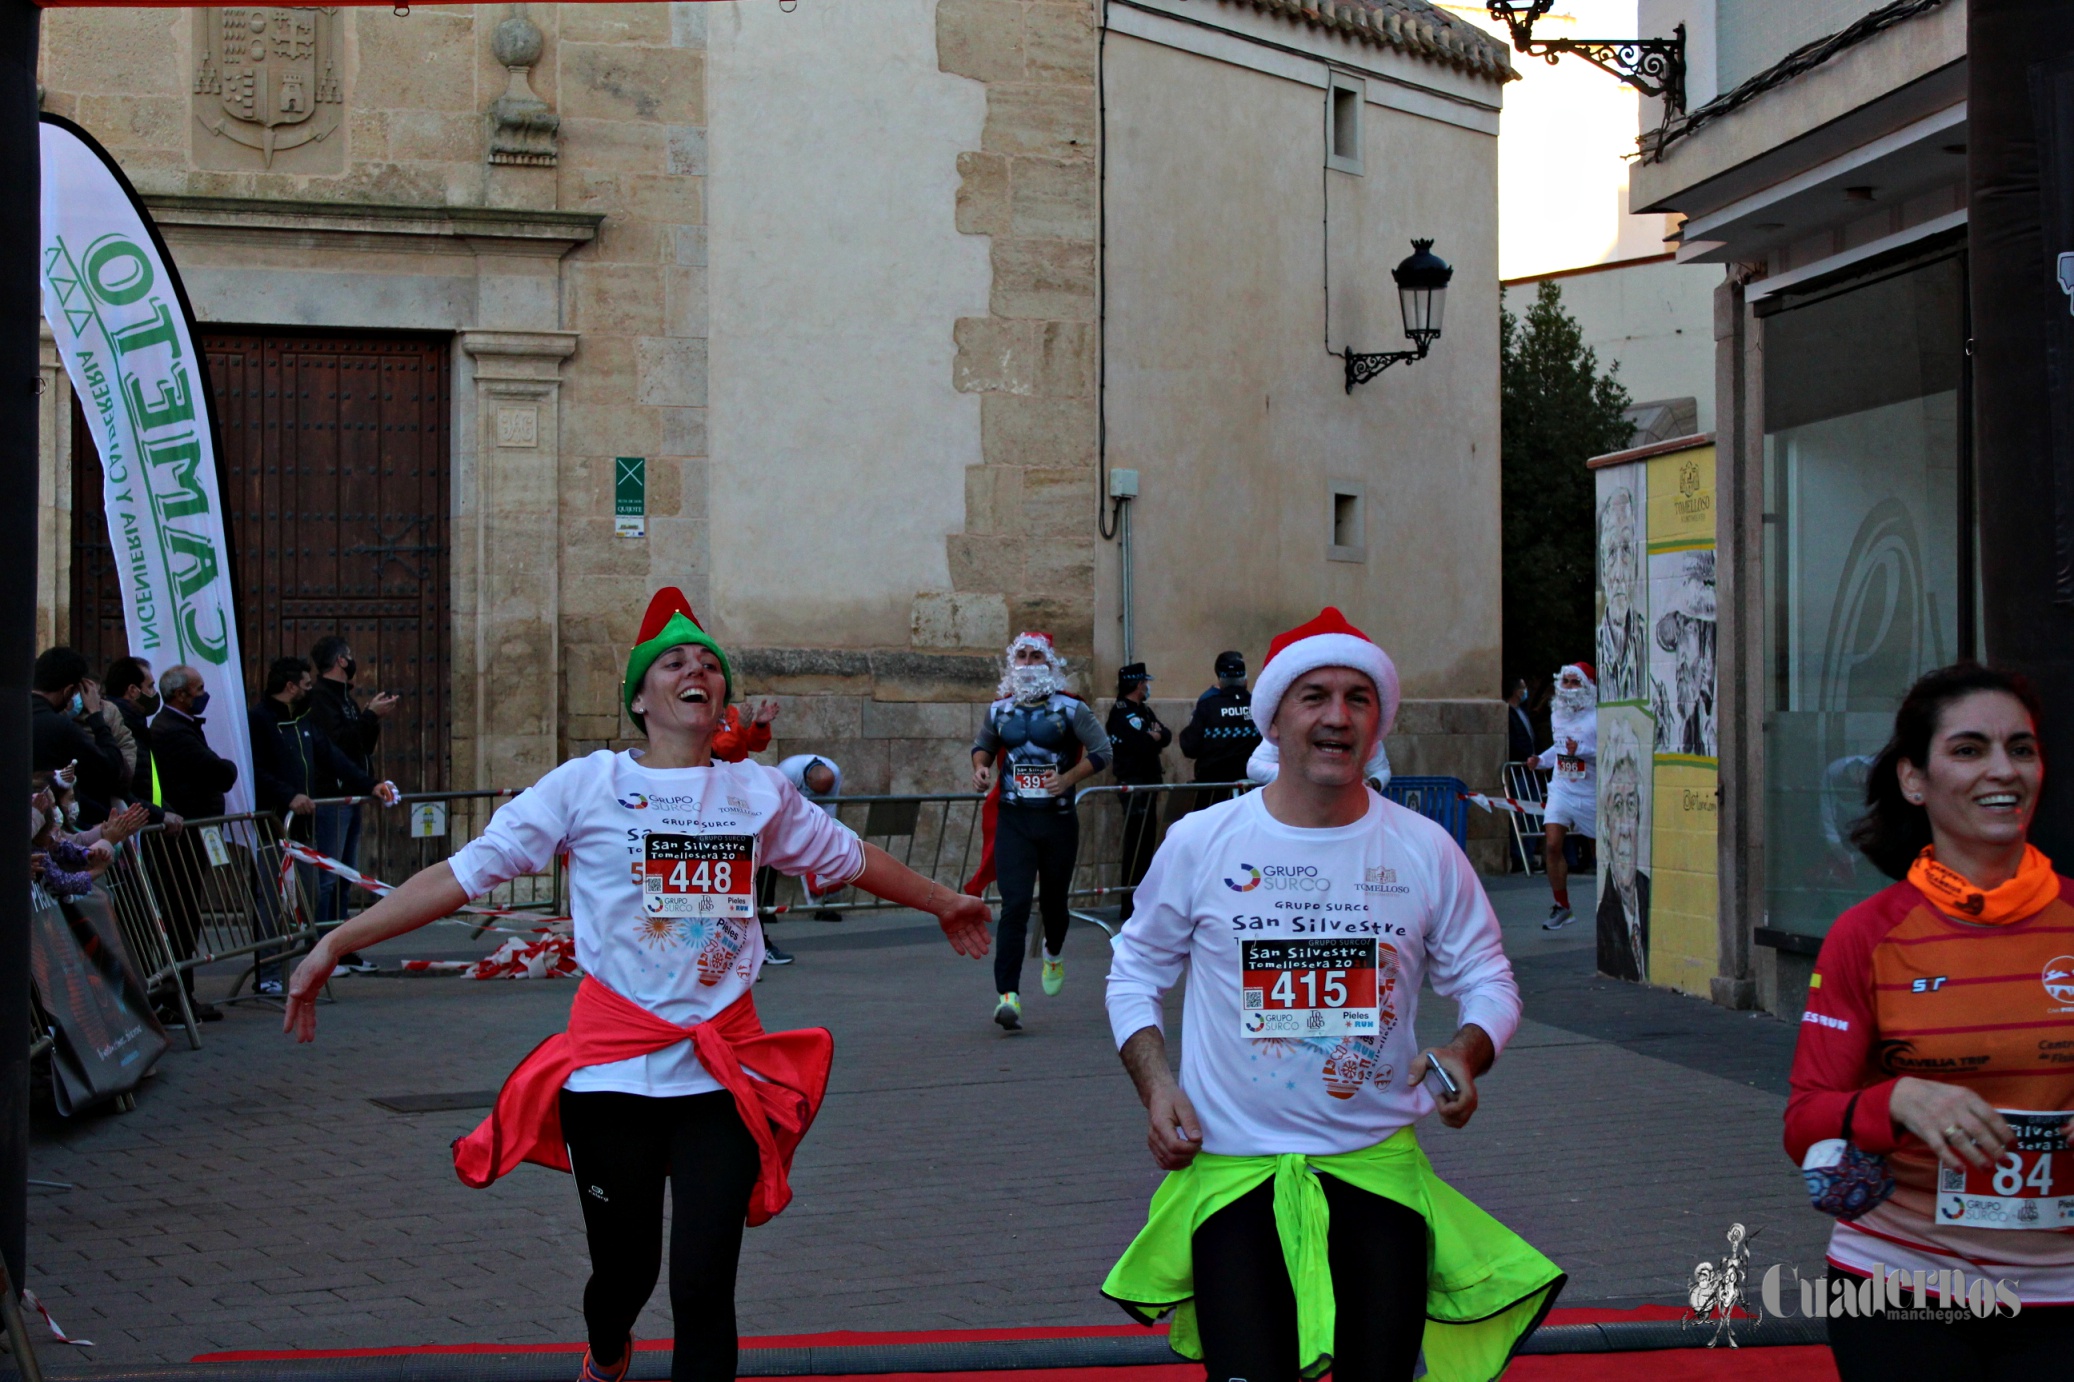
[[1308, 988], [1033, 783], [2030, 1186], [699, 876]]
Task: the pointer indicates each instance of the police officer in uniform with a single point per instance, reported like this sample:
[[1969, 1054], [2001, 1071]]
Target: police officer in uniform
[[1135, 739], [1220, 736], [1051, 741]]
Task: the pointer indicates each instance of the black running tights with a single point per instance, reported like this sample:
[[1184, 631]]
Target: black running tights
[[622, 1147], [1033, 846], [1246, 1310]]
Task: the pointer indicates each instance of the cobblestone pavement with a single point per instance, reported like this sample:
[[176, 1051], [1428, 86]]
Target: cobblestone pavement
[[958, 1177]]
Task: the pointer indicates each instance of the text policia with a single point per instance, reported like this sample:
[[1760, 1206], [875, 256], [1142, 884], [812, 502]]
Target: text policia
[[1889, 1290]]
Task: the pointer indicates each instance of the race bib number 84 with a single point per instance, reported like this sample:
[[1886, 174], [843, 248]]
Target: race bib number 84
[[1308, 988], [2030, 1187], [699, 876]]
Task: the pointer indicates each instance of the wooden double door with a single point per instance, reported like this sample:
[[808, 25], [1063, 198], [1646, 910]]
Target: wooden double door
[[335, 477]]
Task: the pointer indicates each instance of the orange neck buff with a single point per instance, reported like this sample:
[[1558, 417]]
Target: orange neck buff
[[1949, 892]]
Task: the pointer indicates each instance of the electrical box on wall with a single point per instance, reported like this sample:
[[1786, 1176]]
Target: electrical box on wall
[[1123, 484]]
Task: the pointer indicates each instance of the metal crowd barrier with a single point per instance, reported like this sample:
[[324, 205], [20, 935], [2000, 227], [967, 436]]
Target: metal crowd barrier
[[420, 830], [1522, 783], [221, 894], [1108, 846], [937, 834], [141, 921]]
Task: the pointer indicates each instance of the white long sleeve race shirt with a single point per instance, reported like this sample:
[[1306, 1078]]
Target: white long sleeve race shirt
[[661, 884], [1306, 950]]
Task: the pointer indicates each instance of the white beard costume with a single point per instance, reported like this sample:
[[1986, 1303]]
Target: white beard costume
[[1573, 793]]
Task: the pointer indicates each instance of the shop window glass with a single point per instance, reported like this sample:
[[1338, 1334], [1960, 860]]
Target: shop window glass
[[1861, 561]]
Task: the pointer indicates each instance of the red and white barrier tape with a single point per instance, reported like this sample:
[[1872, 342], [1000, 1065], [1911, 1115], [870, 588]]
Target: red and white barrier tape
[[60, 1335], [545, 952], [1512, 804]]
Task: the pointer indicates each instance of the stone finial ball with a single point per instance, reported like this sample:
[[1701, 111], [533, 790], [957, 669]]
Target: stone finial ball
[[516, 42]]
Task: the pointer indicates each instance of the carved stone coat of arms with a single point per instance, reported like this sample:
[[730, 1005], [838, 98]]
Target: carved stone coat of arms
[[267, 79]]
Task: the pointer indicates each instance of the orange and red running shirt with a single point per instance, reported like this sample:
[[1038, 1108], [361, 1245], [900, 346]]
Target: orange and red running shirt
[[1902, 989]]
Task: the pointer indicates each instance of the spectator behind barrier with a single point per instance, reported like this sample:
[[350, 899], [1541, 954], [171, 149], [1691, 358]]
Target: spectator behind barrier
[[134, 699], [354, 731], [192, 780], [66, 727], [292, 760]]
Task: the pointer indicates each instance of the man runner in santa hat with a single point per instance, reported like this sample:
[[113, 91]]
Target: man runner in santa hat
[[1573, 793], [1051, 742], [1300, 1227], [653, 1080]]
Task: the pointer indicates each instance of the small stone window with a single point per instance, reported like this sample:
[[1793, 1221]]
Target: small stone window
[[1344, 99], [1349, 540]]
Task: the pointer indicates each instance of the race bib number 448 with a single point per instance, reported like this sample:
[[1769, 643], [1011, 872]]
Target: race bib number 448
[[699, 876], [2030, 1186], [1308, 988]]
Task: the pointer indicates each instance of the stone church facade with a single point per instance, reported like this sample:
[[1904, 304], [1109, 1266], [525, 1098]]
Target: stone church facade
[[835, 276]]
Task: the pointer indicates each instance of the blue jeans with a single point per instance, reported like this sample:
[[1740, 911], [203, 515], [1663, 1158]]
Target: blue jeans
[[338, 835]]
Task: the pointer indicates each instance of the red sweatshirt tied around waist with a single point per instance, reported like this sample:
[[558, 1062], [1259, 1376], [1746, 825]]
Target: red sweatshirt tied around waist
[[777, 1103]]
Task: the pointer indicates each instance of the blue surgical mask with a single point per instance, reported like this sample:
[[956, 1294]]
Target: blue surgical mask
[[201, 703]]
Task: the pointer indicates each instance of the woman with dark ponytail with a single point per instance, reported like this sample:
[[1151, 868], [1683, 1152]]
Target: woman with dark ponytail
[[1939, 1036]]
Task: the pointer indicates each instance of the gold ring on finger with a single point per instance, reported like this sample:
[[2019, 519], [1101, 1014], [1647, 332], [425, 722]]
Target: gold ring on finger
[[1954, 1133]]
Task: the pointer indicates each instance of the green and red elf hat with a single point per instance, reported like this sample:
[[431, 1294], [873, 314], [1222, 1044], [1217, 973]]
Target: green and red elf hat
[[669, 623]]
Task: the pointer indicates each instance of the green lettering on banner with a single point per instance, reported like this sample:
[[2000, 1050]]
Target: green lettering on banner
[[160, 330], [172, 405], [116, 254], [181, 494]]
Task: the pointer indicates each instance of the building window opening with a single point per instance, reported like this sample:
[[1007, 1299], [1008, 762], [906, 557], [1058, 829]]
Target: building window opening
[[1349, 538], [1343, 125]]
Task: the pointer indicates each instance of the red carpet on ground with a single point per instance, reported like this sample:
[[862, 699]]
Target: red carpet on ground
[[1673, 1365]]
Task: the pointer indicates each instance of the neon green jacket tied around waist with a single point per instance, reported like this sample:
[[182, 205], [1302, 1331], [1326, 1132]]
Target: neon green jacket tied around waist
[[1486, 1287]]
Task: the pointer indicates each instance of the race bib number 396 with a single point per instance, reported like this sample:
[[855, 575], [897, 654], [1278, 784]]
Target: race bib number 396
[[1308, 988], [699, 876], [2031, 1186]]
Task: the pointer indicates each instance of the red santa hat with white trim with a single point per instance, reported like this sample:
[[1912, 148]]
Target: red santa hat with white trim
[[1326, 641]]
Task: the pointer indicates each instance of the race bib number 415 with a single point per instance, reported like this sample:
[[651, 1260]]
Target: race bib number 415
[[1308, 988], [699, 876], [2030, 1186]]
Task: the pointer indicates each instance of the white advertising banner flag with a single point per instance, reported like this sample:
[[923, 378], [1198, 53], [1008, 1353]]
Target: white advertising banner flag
[[123, 329]]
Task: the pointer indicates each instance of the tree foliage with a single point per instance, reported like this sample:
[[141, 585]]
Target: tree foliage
[[1557, 412]]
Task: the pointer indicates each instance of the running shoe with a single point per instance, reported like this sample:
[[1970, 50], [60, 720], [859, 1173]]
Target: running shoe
[[1009, 1012], [356, 963], [1054, 975], [594, 1372], [774, 956], [270, 987], [1559, 916]]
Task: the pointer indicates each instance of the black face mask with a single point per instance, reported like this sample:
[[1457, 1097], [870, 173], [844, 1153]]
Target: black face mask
[[352, 666], [201, 703], [148, 704]]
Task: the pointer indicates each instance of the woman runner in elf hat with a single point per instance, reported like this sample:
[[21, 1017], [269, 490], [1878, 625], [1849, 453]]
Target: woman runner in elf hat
[[651, 1080], [1300, 1227]]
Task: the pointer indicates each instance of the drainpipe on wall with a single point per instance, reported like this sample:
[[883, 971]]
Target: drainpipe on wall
[[1123, 490]]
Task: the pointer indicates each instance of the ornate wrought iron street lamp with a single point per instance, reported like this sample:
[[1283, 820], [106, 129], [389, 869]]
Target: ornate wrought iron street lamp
[[1652, 66], [1422, 294]]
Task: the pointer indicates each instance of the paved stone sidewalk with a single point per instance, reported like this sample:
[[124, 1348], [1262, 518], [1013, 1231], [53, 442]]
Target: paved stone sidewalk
[[958, 1177]]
